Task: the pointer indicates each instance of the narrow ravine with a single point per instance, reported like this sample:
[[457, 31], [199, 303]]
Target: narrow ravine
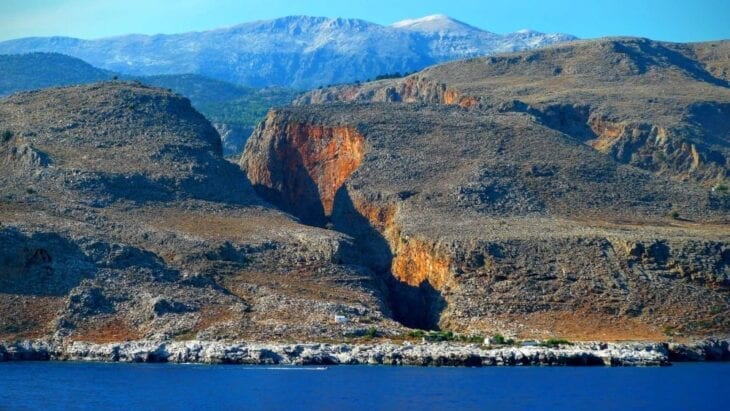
[[303, 169]]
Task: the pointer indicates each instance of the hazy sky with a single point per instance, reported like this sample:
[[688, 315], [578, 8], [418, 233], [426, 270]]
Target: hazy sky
[[674, 20]]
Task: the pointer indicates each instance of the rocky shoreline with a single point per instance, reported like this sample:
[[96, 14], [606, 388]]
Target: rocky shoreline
[[426, 354]]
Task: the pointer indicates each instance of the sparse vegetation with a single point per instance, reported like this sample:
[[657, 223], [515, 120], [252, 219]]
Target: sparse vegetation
[[186, 336], [499, 339], [440, 336], [669, 330], [392, 75], [475, 339], [417, 334], [717, 309], [554, 342]]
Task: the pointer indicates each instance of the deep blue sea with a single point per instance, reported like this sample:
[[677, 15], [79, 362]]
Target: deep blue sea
[[97, 386]]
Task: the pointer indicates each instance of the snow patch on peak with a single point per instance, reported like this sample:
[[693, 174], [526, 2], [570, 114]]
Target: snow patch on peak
[[427, 19], [434, 23], [529, 32]]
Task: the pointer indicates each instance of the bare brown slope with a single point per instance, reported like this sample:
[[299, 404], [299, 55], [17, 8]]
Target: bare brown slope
[[664, 107], [492, 222]]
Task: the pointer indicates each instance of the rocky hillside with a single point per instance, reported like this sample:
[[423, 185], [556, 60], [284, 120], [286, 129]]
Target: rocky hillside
[[485, 208], [663, 107], [233, 110], [297, 51], [120, 220]]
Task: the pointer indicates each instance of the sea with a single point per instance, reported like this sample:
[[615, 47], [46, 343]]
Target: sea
[[115, 386]]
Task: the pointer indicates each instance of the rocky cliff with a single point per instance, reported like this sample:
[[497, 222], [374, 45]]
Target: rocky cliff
[[493, 222], [663, 107]]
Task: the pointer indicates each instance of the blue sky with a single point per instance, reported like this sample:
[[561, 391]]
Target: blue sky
[[673, 20]]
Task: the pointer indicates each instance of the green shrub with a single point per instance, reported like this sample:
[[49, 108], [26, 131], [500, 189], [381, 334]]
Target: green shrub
[[476, 339], [717, 309], [440, 336], [7, 135], [554, 342], [674, 215], [721, 188], [371, 332], [498, 339], [417, 334]]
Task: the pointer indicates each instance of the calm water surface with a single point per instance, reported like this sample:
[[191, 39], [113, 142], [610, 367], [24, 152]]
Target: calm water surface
[[92, 386]]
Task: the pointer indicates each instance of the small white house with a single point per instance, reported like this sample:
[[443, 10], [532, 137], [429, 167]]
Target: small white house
[[340, 319]]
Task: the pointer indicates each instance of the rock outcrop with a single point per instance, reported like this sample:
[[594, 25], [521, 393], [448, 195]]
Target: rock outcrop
[[472, 355], [428, 354]]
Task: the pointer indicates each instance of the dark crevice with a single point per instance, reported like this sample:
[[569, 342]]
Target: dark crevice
[[413, 306]]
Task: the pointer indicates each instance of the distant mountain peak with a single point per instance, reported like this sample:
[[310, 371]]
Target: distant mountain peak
[[434, 23]]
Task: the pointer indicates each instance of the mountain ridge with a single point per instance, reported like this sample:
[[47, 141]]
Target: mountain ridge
[[234, 110], [289, 51]]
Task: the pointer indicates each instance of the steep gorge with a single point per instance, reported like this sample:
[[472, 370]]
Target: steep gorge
[[303, 169]]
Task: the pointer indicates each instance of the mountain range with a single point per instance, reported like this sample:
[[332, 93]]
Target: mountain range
[[296, 51]]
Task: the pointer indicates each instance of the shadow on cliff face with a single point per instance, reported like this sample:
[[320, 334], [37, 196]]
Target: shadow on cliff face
[[298, 193], [43, 264], [413, 306]]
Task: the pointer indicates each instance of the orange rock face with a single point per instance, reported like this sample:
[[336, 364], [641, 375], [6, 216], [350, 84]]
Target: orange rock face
[[328, 154], [453, 97], [414, 260], [305, 165]]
